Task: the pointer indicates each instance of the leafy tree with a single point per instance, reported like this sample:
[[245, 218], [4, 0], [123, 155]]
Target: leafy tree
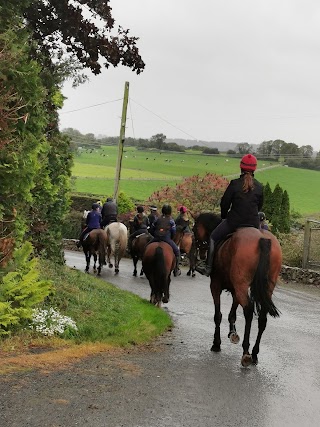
[[158, 141], [284, 226], [306, 151], [197, 193], [84, 30], [265, 148], [267, 203], [244, 148]]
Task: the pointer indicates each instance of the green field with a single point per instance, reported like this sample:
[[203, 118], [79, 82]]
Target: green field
[[144, 172]]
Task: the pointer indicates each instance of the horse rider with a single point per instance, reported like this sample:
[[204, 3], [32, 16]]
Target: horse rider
[[140, 225], [182, 220], [109, 212], [240, 204], [93, 221], [163, 230], [153, 215], [262, 219]]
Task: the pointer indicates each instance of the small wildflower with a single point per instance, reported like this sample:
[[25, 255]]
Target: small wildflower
[[49, 322]]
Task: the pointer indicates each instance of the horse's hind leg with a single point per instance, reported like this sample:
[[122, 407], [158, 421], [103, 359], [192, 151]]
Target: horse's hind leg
[[246, 357], [95, 262], [88, 256], [232, 335], [135, 261], [262, 323]]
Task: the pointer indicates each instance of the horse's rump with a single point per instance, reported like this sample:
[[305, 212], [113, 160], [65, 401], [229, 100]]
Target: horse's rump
[[117, 235], [157, 262]]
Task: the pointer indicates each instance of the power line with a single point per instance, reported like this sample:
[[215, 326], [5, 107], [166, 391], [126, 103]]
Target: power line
[[92, 106], [166, 121]]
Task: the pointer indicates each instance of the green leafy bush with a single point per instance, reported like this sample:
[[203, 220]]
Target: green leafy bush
[[21, 289]]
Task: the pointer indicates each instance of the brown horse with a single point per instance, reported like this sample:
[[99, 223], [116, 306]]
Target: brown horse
[[187, 245], [137, 250], [248, 265], [157, 262], [93, 245]]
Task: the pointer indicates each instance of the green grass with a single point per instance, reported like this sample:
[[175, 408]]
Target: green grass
[[144, 172], [102, 312]]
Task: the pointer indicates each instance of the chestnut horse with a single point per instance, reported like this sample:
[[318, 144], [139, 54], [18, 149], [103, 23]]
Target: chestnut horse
[[117, 235], [93, 245], [247, 264], [157, 262], [137, 249], [187, 245]]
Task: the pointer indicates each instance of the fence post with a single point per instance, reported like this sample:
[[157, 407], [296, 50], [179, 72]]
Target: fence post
[[306, 244]]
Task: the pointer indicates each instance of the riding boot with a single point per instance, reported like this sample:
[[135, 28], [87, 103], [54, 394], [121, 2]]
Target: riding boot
[[177, 271], [206, 268]]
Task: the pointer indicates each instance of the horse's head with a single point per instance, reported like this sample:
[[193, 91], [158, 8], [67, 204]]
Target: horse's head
[[204, 224]]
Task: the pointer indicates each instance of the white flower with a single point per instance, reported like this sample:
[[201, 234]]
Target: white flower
[[49, 322]]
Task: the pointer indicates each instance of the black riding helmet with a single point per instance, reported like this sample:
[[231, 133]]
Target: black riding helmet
[[166, 209], [95, 206], [140, 209], [262, 216]]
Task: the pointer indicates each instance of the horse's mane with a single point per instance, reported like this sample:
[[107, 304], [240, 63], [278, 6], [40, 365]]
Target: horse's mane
[[208, 220]]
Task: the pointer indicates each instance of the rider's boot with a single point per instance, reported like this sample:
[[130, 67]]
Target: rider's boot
[[79, 244], [177, 271], [205, 268]]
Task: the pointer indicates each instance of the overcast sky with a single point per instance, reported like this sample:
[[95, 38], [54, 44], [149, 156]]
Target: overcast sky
[[216, 70]]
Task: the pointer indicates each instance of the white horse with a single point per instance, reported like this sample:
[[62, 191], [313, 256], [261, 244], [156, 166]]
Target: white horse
[[117, 237]]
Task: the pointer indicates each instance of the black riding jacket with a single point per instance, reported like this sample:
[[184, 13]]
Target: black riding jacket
[[241, 208]]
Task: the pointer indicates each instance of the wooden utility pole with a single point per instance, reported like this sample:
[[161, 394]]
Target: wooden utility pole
[[121, 140]]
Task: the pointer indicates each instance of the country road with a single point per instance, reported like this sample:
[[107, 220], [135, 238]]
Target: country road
[[177, 381]]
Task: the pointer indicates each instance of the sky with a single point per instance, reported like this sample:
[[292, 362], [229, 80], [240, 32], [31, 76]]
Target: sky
[[216, 70]]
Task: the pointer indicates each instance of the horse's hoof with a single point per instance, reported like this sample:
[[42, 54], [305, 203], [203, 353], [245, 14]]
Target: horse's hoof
[[116, 271], [110, 265], [246, 360], [188, 274], [165, 300], [215, 348], [193, 274], [254, 360], [134, 274], [234, 338]]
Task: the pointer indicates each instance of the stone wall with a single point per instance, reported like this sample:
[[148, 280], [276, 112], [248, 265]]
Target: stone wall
[[300, 275]]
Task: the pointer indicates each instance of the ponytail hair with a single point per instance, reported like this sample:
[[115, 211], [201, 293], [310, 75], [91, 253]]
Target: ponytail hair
[[248, 183]]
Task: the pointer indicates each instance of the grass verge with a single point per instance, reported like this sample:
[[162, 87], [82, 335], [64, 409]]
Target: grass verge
[[107, 318]]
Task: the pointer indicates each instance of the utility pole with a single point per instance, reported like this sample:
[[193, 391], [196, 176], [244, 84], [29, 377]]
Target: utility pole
[[121, 140]]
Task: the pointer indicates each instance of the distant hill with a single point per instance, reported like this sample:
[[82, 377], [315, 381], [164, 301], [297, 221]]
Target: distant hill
[[221, 145]]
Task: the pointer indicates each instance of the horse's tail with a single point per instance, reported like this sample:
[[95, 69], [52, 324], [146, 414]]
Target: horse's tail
[[159, 269], [260, 295]]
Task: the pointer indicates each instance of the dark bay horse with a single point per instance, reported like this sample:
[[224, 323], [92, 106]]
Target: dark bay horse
[[137, 250], [158, 261], [248, 265], [95, 245], [187, 245]]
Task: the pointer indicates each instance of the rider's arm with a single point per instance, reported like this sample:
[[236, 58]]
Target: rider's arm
[[226, 200]]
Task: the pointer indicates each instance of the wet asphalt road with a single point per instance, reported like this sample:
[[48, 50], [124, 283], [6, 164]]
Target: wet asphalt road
[[179, 382]]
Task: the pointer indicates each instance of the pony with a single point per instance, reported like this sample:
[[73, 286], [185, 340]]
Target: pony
[[158, 261], [186, 243], [117, 235], [247, 264], [138, 246], [93, 245]]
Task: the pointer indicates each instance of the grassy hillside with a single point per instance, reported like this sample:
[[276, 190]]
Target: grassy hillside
[[144, 172]]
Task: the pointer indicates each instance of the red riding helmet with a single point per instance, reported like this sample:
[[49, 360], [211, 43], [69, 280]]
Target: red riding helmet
[[183, 209], [248, 163]]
